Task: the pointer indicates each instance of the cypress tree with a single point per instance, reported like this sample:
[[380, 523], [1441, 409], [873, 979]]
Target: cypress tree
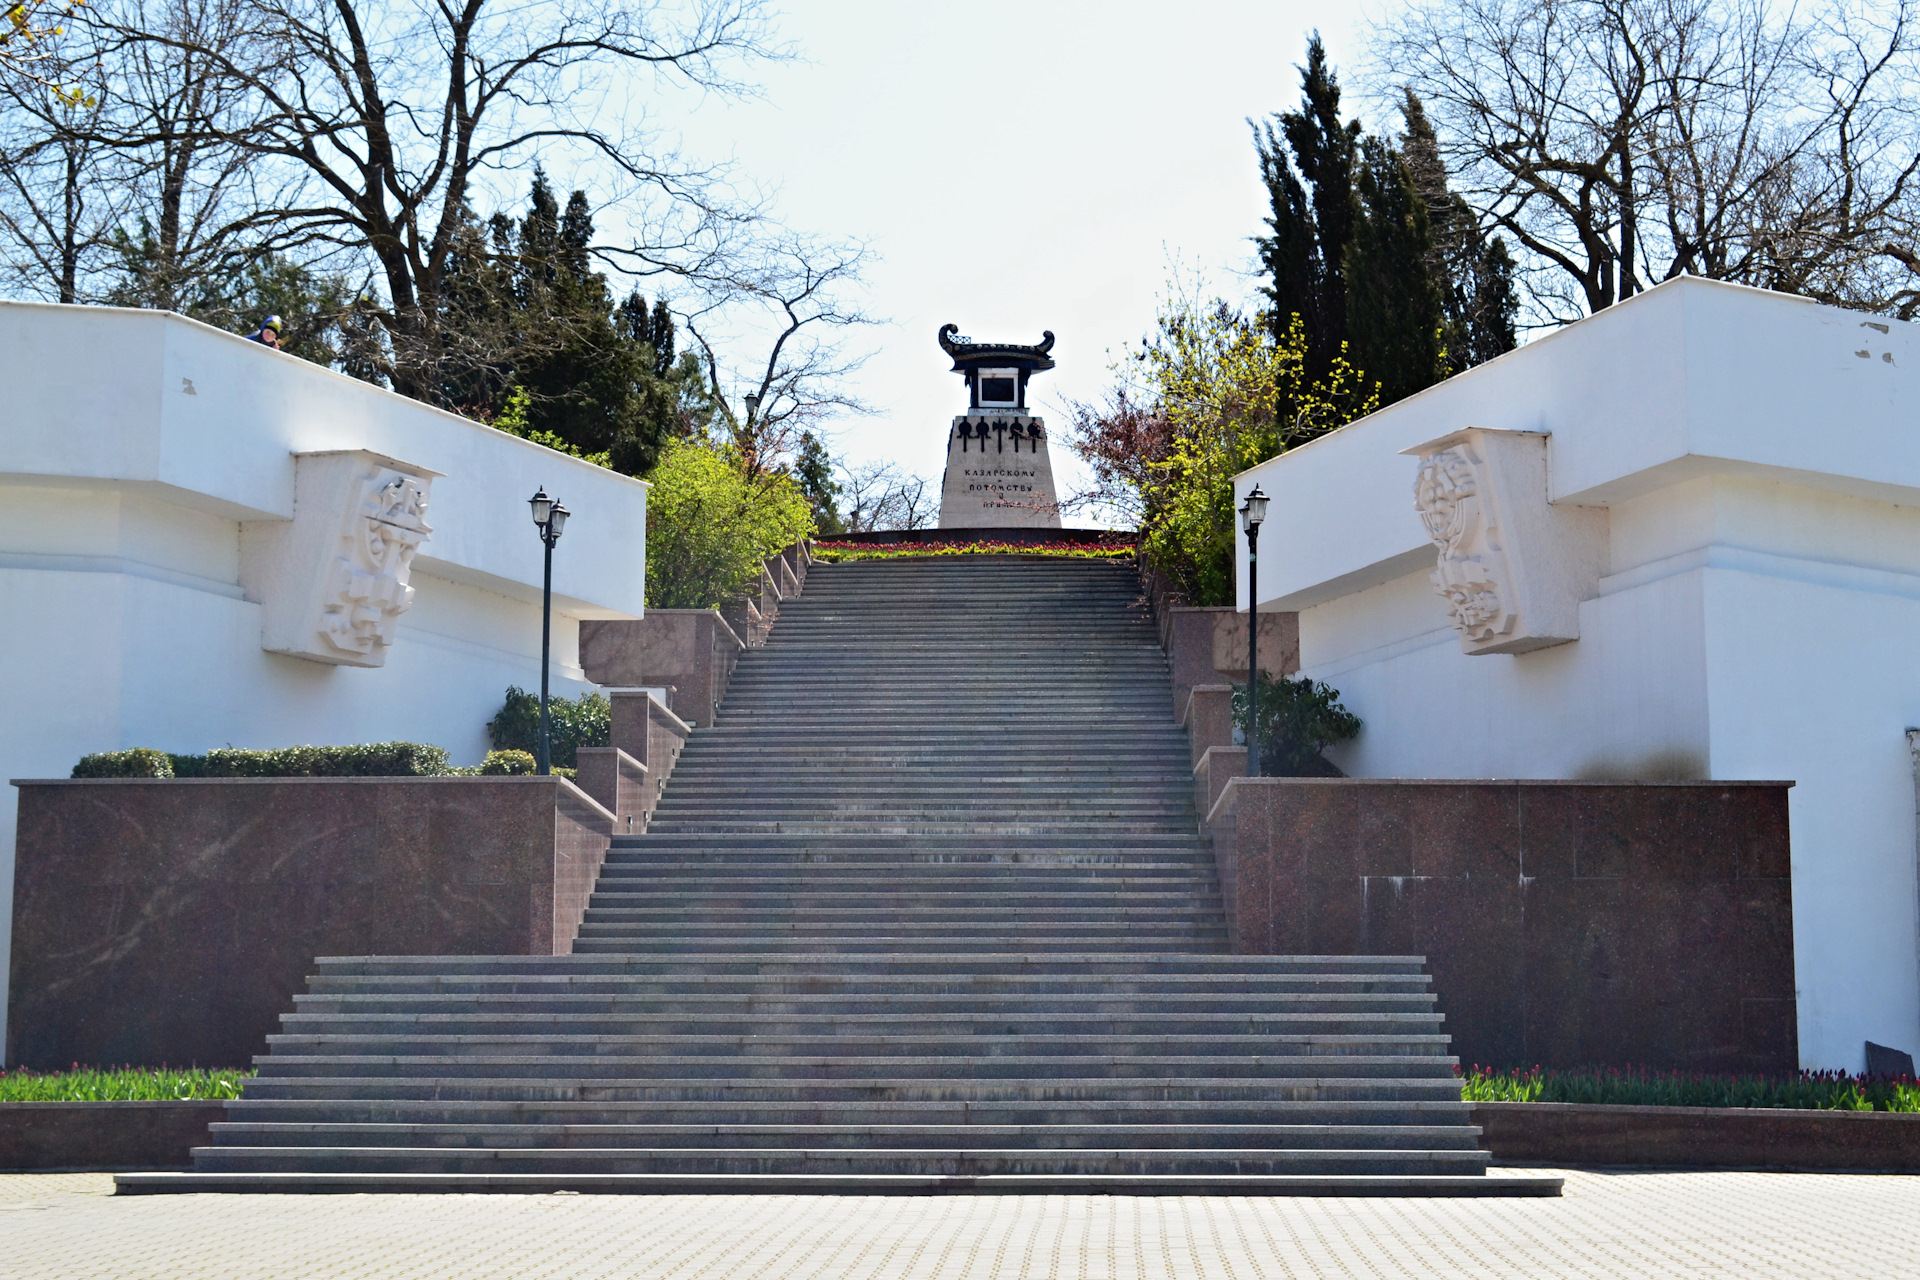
[[1393, 301], [526, 310], [1475, 275], [1371, 247], [1305, 252]]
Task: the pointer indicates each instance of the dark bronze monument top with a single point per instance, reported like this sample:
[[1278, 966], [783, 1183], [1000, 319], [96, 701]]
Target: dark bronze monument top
[[996, 372]]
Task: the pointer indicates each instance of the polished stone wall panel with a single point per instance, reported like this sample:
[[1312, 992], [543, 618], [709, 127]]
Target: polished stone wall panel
[[171, 921], [1564, 923]]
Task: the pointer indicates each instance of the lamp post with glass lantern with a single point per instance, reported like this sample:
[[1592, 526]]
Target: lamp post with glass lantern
[[1252, 512], [549, 517]]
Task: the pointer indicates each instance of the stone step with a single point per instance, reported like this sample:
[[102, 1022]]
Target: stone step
[[926, 911], [737, 1160], [698, 894], [1400, 1090], [595, 941], [442, 1008], [778, 1021], [782, 930], [702, 914], [831, 1184], [832, 879], [521, 1134], [1378, 1032], [1082, 964], [1083, 990], [958, 1071]]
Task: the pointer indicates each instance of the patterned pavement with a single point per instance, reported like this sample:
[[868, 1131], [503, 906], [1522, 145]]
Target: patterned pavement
[[1608, 1224]]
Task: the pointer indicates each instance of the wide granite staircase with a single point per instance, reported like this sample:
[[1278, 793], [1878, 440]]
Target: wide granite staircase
[[925, 910]]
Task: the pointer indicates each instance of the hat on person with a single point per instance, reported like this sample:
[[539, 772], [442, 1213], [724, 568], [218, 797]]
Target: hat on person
[[271, 322]]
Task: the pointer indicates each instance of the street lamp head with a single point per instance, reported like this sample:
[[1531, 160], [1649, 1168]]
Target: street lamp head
[[556, 521], [753, 404], [1253, 512], [542, 506]]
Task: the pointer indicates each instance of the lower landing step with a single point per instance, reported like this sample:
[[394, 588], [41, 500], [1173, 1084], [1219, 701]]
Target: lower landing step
[[1514, 1183]]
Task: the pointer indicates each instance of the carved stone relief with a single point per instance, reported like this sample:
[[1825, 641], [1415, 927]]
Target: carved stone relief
[[1472, 564], [1512, 568], [370, 586], [333, 581]]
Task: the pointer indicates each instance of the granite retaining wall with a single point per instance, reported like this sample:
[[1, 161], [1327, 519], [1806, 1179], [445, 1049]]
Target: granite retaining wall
[[171, 921], [1565, 923]]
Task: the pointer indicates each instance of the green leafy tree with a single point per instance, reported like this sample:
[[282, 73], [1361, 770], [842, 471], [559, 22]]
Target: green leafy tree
[[516, 421], [1213, 393], [710, 525], [316, 307]]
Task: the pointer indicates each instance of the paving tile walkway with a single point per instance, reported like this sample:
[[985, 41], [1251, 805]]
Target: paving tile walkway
[[1608, 1224]]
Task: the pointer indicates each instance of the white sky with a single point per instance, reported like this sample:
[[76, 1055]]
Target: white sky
[[1018, 167]]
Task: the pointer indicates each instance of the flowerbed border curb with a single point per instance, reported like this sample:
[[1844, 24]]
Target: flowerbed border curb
[[1570, 1133], [98, 1137]]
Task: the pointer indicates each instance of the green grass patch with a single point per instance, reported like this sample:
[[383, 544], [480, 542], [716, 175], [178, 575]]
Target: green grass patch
[[122, 1084], [840, 552], [1639, 1087]]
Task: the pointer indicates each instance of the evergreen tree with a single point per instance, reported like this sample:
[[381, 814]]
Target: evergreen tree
[[1372, 249], [1393, 299], [1475, 275], [813, 469], [526, 313], [1305, 254]]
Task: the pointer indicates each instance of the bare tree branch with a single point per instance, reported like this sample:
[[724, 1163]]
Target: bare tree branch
[[1624, 142]]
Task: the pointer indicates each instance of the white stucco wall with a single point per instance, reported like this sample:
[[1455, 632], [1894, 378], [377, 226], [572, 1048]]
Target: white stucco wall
[[1759, 616], [121, 499]]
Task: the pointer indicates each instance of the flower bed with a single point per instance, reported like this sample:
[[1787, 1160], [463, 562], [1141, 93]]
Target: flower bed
[[124, 1084], [838, 552], [1637, 1086]]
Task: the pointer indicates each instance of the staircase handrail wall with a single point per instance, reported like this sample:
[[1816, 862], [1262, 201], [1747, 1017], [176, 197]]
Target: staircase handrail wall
[[691, 653]]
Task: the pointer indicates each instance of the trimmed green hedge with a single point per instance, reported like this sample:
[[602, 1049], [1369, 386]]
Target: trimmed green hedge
[[367, 760], [508, 763]]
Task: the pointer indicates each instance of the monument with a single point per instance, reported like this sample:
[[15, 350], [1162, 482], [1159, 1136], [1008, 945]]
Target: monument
[[998, 474]]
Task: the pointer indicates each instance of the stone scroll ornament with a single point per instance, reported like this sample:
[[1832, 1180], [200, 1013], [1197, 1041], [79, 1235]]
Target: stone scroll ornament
[[333, 581], [369, 589], [1512, 566], [1472, 563]]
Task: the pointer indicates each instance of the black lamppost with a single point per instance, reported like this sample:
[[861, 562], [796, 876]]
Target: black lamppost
[[549, 517], [1252, 512]]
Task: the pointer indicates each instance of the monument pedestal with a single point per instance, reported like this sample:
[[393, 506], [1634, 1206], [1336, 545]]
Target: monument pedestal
[[999, 474]]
